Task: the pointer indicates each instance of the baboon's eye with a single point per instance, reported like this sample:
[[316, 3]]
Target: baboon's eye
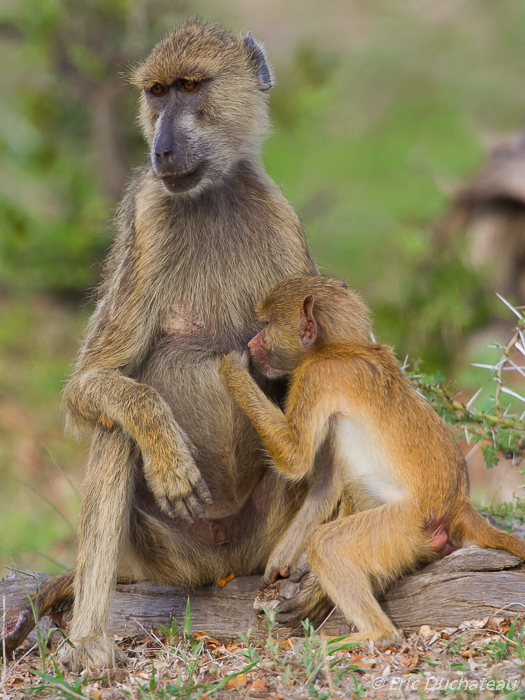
[[158, 89], [189, 84]]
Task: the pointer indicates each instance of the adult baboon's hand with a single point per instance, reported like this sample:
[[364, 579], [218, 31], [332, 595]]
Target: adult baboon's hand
[[284, 564], [173, 476]]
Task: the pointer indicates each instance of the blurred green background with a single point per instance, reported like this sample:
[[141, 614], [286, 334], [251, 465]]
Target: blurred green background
[[381, 110]]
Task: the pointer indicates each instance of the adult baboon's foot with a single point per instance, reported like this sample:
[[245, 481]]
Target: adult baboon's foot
[[96, 653]]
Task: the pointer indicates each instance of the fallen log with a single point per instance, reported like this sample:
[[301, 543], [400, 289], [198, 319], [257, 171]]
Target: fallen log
[[471, 583]]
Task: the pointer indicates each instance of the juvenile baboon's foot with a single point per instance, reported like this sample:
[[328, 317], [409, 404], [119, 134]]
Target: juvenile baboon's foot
[[310, 602], [96, 653], [301, 569], [379, 639]]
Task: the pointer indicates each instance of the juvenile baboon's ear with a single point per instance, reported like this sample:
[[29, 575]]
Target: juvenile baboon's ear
[[258, 61], [308, 324]]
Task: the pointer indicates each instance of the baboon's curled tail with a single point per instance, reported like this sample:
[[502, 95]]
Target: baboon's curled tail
[[474, 527], [53, 594]]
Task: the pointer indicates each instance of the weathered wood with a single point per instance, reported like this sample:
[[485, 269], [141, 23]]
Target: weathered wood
[[469, 584]]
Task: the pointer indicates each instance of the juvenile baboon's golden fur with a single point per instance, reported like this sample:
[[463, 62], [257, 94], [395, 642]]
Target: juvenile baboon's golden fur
[[202, 233], [407, 477]]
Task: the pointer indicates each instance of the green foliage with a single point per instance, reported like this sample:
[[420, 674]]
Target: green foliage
[[367, 144], [370, 137], [508, 516], [366, 141], [66, 151], [501, 432], [442, 300]]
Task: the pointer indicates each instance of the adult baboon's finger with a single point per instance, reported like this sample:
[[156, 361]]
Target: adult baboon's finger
[[166, 506], [181, 511], [203, 492], [195, 507]]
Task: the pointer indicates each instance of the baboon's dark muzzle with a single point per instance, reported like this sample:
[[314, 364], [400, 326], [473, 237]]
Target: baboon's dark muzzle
[[181, 182], [173, 158]]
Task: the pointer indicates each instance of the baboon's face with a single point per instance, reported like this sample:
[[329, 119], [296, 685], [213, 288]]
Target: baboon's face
[[181, 155], [276, 350], [201, 109]]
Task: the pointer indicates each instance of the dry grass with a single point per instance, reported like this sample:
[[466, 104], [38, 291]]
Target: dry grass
[[480, 658]]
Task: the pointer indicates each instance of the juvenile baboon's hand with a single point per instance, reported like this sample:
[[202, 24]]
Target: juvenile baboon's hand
[[235, 362], [175, 479]]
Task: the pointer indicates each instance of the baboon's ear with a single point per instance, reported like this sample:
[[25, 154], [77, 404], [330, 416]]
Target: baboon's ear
[[308, 324], [258, 61]]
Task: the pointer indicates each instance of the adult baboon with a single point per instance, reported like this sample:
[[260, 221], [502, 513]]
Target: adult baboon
[[203, 233]]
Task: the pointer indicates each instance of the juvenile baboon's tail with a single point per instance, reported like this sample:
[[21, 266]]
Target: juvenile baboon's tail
[[53, 594], [474, 527]]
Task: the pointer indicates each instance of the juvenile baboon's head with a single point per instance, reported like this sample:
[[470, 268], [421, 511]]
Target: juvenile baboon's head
[[202, 109], [301, 313]]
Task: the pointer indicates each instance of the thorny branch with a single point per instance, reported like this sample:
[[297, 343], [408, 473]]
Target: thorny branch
[[502, 433]]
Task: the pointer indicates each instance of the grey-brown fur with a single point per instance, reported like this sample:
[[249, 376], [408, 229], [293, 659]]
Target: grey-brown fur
[[179, 292]]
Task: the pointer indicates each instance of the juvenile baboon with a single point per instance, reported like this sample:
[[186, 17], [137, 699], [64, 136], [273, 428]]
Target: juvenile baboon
[[407, 476], [203, 233]]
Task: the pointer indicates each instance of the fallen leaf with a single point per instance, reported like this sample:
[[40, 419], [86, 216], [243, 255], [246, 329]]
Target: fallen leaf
[[410, 661], [259, 684], [426, 631], [16, 680], [473, 624], [223, 581], [237, 681], [468, 653], [207, 639], [364, 662]]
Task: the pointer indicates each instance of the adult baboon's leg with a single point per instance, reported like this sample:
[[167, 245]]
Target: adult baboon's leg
[[102, 532]]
